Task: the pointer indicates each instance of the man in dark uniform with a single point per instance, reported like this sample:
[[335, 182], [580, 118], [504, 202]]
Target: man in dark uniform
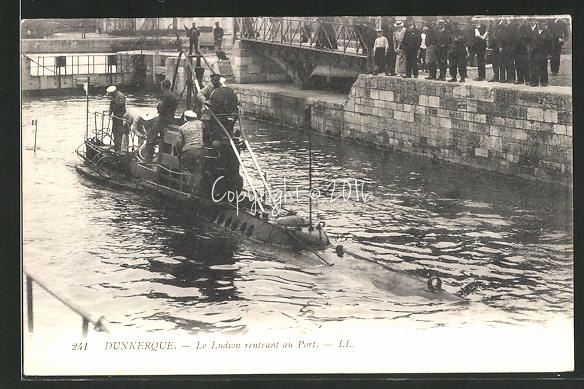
[[193, 33], [457, 54], [502, 58], [203, 96], [541, 48], [508, 45], [468, 31], [443, 40], [479, 47], [520, 54], [217, 36], [559, 31], [166, 107], [431, 51], [411, 45]]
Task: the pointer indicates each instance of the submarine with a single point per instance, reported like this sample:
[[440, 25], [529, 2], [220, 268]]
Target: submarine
[[214, 191]]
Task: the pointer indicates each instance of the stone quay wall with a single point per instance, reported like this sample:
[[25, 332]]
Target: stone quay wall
[[512, 129]]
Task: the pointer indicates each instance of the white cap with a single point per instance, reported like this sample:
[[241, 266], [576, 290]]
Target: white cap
[[111, 89], [190, 114], [148, 116]]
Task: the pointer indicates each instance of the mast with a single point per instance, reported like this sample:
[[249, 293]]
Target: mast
[[189, 85]]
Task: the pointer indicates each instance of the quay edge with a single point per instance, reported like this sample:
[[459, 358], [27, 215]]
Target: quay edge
[[512, 129]]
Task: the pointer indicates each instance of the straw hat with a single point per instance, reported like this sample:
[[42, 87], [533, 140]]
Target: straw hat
[[111, 89], [190, 114]]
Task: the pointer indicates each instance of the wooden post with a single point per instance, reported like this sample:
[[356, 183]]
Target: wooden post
[[35, 133], [87, 110]]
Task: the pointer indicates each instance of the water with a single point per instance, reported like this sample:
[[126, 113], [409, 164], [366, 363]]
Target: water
[[503, 244]]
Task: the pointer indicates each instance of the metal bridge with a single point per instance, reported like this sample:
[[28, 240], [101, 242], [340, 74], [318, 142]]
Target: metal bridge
[[327, 46]]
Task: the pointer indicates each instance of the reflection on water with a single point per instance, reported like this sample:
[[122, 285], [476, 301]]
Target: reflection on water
[[504, 244]]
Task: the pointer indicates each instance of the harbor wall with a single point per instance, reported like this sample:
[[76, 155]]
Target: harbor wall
[[512, 129]]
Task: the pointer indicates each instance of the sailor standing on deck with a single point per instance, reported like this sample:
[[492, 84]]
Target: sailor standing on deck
[[190, 142], [217, 81], [166, 107], [117, 109]]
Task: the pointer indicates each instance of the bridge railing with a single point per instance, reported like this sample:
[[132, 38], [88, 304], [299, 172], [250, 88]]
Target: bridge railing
[[324, 35]]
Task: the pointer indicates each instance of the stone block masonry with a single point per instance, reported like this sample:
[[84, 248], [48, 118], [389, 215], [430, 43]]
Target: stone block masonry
[[513, 129]]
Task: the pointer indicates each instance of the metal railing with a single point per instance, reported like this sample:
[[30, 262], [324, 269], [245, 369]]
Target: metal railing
[[333, 36], [43, 65], [99, 321]]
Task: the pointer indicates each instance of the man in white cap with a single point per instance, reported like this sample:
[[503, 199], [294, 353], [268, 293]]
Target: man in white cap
[[190, 142], [138, 124], [117, 109]]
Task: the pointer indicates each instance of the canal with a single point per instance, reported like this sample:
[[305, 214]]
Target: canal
[[502, 243]]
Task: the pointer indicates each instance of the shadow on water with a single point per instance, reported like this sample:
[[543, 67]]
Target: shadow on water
[[189, 252]]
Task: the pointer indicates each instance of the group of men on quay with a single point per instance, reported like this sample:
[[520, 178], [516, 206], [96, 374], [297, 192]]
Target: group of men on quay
[[518, 47]]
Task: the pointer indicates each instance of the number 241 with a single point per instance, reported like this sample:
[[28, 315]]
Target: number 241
[[79, 346]]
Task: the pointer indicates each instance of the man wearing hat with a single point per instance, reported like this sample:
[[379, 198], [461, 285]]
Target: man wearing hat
[[117, 109], [398, 36], [458, 53], [560, 31], [431, 51], [411, 45], [380, 50], [501, 44], [479, 46], [190, 142], [443, 40]]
